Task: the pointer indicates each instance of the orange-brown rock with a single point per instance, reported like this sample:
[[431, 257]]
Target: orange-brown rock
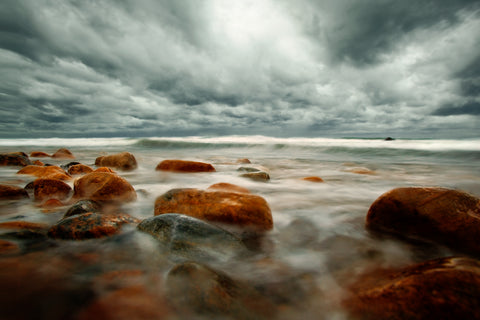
[[223, 186], [238, 209], [39, 154], [449, 217], [12, 193], [104, 186], [79, 169], [51, 205], [8, 247], [184, 166], [14, 159], [48, 172], [104, 169], [63, 154], [123, 161], [446, 288], [89, 225], [24, 225], [243, 161], [45, 189], [313, 179], [38, 163], [361, 170]]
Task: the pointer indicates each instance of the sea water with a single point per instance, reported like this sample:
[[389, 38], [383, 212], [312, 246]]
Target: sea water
[[318, 227]]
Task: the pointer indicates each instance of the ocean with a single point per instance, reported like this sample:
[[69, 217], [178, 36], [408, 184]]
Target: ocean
[[318, 227]]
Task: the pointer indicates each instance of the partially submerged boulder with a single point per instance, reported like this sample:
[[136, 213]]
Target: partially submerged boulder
[[184, 166], [122, 161], [104, 186], [445, 216], [63, 153], [39, 154], [445, 288], [8, 192], [224, 186], [19, 159], [45, 189], [79, 169], [232, 208], [89, 225], [47, 172]]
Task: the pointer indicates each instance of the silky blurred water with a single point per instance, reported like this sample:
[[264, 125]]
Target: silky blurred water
[[318, 227]]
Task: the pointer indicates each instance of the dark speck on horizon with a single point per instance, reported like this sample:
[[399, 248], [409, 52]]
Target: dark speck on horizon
[[331, 68]]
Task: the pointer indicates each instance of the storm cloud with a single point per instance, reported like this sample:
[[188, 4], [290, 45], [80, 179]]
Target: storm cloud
[[308, 68]]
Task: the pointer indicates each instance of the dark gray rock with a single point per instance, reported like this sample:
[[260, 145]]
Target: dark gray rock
[[83, 206], [185, 237]]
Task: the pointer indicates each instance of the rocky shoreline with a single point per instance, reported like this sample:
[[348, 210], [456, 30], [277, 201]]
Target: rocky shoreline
[[200, 242]]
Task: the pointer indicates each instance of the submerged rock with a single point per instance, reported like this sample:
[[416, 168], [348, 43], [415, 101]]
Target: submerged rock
[[192, 238], [89, 225], [45, 189], [14, 159], [8, 192], [47, 172], [79, 169], [257, 176], [223, 186], [445, 216], [232, 208], [104, 186], [313, 179], [446, 288], [39, 154], [83, 206], [195, 289], [184, 166], [123, 161], [63, 154]]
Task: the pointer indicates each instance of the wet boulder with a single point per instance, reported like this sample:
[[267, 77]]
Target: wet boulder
[[445, 216], [445, 288], [47, 172], [230, 208], [45, 189], [195, 289], [192, 239], [39, 154], [63, 154], [223, 186], [8, 192], [18, 159], [122, 161], [89, 225], [104, 186], [184, 166], [83, 206], [257, 176], [79, 169]]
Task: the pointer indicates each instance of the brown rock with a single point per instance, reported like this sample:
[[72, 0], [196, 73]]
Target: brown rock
[[184, 166], [51, 205], [14, 159], [24, 225], [12, 193], [223, 186], [38, 163], [89, 225], [238, 209], [104, 169], [39, 154], [445, 216], [313, 179], [123, 161], [48, 172], [79, 169], [361, 170], [446, 288], [45, 189], [257, 176], [243, 161], [63, 154], [197, 289], [8, 247], [104, 186]]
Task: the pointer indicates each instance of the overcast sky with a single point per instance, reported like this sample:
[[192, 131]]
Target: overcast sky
[[338, 68]]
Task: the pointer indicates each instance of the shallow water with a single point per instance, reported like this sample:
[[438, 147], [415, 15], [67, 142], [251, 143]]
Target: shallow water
[[319, 239]]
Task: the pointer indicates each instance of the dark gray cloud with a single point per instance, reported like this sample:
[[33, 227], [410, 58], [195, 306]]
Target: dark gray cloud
[[146, 67]]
